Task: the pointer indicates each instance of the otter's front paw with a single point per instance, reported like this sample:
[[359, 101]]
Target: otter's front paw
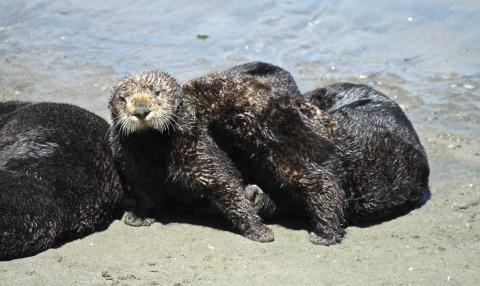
[[262, 204], [133, 220], [319, 240], [260, 234]]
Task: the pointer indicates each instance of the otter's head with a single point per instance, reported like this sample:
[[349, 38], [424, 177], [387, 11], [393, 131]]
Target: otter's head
[[217, 96], [144, 100]]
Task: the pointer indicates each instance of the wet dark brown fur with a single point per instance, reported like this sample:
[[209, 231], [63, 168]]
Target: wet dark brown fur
[[167, 156], [295, 147], [387, 170], [57, 175], [278, 76], [362, 161]]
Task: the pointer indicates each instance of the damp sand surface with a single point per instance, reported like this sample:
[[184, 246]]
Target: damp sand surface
[[425, 56]]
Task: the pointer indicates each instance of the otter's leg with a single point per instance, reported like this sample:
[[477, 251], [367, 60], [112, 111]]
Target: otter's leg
[[145, 207], [201, 162], [326, 203], [232, 201]]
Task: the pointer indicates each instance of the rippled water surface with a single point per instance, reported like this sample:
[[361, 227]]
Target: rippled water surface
[[425, 55]]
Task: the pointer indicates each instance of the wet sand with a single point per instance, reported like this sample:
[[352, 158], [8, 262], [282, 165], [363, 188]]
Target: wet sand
[[436, 244]]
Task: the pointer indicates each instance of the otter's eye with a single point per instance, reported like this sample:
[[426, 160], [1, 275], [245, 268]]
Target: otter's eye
[[121, 98], [208, 92], [159, 91]]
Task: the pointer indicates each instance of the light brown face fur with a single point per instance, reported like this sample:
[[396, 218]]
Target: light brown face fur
[[144, 100]]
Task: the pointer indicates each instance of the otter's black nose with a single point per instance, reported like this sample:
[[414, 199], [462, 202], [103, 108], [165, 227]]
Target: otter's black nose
[[141, 111]]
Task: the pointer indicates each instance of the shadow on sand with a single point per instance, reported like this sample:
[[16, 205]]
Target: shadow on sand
[[219, 222]]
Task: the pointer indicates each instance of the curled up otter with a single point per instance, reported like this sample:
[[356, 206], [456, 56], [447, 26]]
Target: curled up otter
[[316, 162], [57, 175], [165, 155]]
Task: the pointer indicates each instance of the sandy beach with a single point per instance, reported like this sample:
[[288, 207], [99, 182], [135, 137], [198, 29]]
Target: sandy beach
[[437, 244], [435, 80]]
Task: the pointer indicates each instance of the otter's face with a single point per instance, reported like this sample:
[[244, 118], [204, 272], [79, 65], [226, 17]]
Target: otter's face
[[216, 96], [144, 100]]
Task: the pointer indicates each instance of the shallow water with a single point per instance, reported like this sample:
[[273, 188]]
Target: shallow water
[[424, 55]]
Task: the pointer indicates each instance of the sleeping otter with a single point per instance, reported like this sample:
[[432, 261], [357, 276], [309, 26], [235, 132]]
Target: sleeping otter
[[57, 175], [368, 118], [167, 157], [310, 161], [387, 169]]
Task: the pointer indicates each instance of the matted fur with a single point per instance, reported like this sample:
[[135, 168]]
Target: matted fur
[[386, 171], [294, 146], [57, 175], [168, 157], [349, 155]]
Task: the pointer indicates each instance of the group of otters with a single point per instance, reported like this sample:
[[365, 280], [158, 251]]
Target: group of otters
[[244, 143]]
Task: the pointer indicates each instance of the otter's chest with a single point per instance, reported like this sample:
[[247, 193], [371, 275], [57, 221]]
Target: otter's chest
[[147, 155]]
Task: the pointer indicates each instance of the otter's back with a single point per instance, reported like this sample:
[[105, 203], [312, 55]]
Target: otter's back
[[57, 176], [387, 165]]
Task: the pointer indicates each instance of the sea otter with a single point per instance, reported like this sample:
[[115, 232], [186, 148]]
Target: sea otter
[[387, 168], [295, 147], [57, 175], [167, 157], [374, 125], [309, 160]]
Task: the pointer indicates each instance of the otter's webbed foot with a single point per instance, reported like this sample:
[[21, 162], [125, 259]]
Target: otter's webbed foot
[[132, 219], [319, 240], [326, 203], [262, 203], [261, 234], [243, 214]]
